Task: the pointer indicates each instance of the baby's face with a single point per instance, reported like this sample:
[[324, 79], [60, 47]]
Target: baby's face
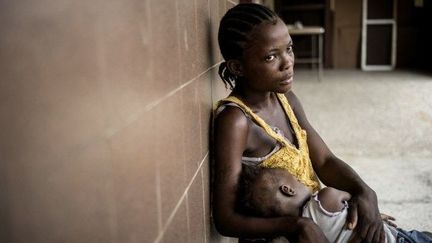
[[281, 192]]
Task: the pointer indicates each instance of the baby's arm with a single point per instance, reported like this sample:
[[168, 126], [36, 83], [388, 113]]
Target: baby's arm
[[333, 199]]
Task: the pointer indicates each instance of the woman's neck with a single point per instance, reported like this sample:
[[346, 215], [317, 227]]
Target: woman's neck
[[254, 99]]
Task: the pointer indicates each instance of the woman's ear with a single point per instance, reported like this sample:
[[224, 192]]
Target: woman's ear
[[287, 190], [235, 67]]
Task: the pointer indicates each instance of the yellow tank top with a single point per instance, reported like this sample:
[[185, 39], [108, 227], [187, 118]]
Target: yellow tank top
[[288, 157]]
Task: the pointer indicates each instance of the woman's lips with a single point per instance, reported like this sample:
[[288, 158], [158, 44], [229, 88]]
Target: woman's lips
[[287, 81]]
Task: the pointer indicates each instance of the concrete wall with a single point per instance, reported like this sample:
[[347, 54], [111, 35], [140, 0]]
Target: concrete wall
[[104, 116]]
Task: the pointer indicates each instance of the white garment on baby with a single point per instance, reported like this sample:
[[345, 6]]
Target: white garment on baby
[[333, 223]]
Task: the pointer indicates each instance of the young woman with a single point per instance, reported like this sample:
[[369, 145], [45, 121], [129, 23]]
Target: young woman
[[262, 123]]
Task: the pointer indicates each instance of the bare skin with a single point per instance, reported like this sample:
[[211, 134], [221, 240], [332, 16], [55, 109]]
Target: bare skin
[[266, 68], [275, 192], [278, 193]]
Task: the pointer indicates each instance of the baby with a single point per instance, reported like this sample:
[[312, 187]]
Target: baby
[[275, 192]]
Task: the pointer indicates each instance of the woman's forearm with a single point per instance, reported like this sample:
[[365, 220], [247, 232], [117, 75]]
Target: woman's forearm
[[301, 229], [241, 226], [336, 173]]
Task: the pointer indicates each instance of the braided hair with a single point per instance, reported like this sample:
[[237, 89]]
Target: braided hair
[[234, 33]]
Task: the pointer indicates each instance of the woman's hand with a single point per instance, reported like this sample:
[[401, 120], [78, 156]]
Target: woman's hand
[[363, 214], [309, 232], [388, 219]]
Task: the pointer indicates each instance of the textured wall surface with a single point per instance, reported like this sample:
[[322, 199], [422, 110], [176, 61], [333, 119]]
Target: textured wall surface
[[104, 116]]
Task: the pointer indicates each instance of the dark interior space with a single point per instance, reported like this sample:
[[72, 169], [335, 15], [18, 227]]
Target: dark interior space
[[342, 21]]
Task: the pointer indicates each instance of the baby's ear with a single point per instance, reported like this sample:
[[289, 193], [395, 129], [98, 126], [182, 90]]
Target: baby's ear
[[287, 190], [235, 67]]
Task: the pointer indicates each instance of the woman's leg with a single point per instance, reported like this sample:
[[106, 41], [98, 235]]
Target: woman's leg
[[413, 236]]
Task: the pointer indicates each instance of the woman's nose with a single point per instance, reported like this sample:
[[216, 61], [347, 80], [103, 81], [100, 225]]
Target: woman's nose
[[287, 61]]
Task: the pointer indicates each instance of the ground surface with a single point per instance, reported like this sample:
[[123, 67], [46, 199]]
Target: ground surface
[[381, 124]]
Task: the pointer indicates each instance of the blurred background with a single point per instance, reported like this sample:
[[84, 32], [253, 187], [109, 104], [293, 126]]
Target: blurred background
[[105, 111]]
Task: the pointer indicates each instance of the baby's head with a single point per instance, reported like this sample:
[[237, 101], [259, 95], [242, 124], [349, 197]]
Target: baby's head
[[266, 192], [236, 30]]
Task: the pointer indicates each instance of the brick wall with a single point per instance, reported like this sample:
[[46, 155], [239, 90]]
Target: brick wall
[[105, 112]]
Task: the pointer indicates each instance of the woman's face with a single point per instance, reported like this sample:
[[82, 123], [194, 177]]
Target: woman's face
[[268, 59]]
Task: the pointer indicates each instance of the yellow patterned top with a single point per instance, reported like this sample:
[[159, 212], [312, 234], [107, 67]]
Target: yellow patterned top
[[296, 161]]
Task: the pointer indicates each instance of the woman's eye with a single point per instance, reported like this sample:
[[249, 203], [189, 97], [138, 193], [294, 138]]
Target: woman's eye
[[270, 58], [290, 49]]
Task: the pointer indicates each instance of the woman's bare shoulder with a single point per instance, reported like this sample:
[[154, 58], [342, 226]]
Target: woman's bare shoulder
[[231, 128], [232, 116]]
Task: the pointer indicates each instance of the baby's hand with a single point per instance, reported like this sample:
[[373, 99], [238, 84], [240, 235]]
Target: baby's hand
[[388, 219]]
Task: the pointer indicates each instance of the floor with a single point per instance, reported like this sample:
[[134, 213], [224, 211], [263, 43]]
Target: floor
[[381, 124]]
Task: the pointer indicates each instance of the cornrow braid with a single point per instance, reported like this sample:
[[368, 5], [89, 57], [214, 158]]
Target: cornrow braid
[[227, 77], [234, 33]]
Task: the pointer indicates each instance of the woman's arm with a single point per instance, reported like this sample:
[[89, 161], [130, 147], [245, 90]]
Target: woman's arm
[[335, 173], [231, 131]]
